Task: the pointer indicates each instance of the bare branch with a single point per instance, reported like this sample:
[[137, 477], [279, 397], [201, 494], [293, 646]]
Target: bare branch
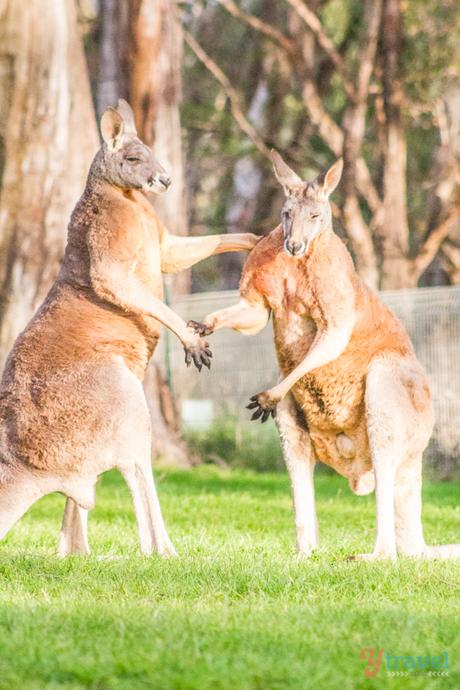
[[332, 135], [354, 120], [353, 126], [314, 24], [257, 24], [451, 254], [361, 241], [233, 95], [368, 191], [368, 41], [431, 245]]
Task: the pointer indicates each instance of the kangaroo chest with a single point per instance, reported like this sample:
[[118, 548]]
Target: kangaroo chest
[[331, 396], [292, 304]]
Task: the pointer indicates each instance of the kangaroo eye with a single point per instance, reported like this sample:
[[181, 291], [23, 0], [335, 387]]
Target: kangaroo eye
[[132, 159], [314, 215]]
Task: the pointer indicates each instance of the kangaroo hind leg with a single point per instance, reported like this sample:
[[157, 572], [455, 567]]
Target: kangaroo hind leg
[[408, 508], [300, 463], [387, 427], [153, 535], [133, 458], [73, 538]]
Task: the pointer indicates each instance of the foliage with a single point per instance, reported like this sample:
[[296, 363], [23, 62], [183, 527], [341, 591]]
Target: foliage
[[431, 59], [238, 610], [230, 442], [427, 68]]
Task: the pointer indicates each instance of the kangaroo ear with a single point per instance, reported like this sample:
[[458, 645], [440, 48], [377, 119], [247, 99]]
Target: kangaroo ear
[[126, 112], [285, 176], [330, 178], [112, 129]]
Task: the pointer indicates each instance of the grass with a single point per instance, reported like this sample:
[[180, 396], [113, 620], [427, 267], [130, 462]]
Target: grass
[[238, 610]]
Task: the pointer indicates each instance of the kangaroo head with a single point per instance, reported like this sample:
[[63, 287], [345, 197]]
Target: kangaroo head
[[306, 210], [126, 161]]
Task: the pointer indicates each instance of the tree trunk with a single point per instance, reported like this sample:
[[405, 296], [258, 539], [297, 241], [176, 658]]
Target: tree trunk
[[47, 140], [445, 193], [242, 201], [167, 443], [395, 231], [111, 73], [154, 92], [354, 125]]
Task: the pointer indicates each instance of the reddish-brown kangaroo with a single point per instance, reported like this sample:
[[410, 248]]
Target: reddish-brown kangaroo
[[71, 399], [352, 393]]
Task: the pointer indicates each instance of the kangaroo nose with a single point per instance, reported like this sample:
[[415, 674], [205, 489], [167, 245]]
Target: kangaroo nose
[[294, 248], [165, 180]]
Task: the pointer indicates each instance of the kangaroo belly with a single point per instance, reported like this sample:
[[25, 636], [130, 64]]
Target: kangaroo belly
[[332, 396]]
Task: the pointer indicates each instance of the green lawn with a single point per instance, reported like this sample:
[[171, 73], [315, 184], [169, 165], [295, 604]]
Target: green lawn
[[238, 610]]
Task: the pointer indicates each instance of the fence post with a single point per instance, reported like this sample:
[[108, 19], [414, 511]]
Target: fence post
[[168, 367]]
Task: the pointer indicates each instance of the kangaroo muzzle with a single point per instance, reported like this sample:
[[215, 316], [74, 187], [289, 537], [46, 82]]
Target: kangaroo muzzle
[[293, 248]]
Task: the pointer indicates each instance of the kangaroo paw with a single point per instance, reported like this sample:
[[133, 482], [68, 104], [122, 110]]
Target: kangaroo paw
[[200, 328]]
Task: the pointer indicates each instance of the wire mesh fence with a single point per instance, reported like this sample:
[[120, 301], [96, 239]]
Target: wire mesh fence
[[245, 365]]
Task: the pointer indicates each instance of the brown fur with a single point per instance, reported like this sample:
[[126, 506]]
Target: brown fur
[[71, 400], [47, 390], [351, 392], [301, 299]]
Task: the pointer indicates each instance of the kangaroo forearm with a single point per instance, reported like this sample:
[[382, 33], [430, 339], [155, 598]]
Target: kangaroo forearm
[[324, 350], [179, 253], [243, 317], [136, 299], [235, 242]]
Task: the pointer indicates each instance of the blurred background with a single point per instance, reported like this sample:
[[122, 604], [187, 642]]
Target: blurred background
[[214, 85]]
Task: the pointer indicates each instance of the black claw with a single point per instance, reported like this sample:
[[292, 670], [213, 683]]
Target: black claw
[[199, 327], [205, 361], [195, 325], [253, 397], [252, 405], [188, 357], [265, 416], [196, 359], [273, 412], [257, 414], [208, 352]]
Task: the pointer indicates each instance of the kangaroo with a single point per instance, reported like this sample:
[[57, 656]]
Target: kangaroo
[[352, 393], [71, 399]]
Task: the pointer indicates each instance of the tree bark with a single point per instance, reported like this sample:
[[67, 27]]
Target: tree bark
[[154, 92], [395, 231], [167, 443], [112, 73], [354, 125], [47, 139]]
